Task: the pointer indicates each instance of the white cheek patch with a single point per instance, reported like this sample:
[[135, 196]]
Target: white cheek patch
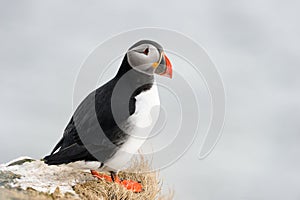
[[142, 62]]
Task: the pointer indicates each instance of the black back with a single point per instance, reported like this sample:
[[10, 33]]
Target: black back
[[83, 138]]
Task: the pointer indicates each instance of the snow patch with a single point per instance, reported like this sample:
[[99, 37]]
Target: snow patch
[[45, 178]]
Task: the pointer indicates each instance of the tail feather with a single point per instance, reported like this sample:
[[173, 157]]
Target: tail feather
[[58, 145], [63, 156]]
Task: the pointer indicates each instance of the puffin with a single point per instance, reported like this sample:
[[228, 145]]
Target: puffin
[[113, 121]]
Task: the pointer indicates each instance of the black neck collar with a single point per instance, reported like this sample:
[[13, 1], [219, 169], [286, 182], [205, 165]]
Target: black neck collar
[[136, 76]]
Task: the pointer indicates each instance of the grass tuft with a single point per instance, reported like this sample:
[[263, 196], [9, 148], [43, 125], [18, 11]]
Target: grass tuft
[[139, 170]]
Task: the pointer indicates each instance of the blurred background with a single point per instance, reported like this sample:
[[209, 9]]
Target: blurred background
[[254, 44]]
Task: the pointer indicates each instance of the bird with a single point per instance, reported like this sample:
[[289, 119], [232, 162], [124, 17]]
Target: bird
[[114, 120]]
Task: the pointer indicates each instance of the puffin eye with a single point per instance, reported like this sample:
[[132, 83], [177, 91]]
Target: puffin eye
[[146, 51]]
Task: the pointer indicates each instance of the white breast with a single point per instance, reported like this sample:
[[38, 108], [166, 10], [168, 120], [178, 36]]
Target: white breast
[[141, 124]]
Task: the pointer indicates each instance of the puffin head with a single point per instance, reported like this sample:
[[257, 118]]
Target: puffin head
[[148, 57]]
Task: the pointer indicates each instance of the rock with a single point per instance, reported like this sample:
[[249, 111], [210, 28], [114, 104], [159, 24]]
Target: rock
[[26, 178], [7, 177]]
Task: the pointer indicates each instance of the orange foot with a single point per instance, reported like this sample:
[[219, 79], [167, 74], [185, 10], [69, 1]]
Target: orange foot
[[128, 184], [132, 185], [101, 176]]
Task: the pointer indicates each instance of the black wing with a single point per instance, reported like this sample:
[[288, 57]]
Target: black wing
[[83, 138]]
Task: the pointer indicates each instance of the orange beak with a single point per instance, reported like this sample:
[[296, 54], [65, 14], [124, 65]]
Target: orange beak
[[168, 72], [164, 67]]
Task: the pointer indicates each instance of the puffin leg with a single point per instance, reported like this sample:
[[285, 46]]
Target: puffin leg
[[101, 176], [114, 177]]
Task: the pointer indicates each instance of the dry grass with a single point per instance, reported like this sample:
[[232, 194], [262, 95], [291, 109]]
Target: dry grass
[[140, 171]]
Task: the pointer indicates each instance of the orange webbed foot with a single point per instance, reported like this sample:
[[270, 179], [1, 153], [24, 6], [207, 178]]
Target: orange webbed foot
[[101, 176], [128, 184], [132, 185]]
